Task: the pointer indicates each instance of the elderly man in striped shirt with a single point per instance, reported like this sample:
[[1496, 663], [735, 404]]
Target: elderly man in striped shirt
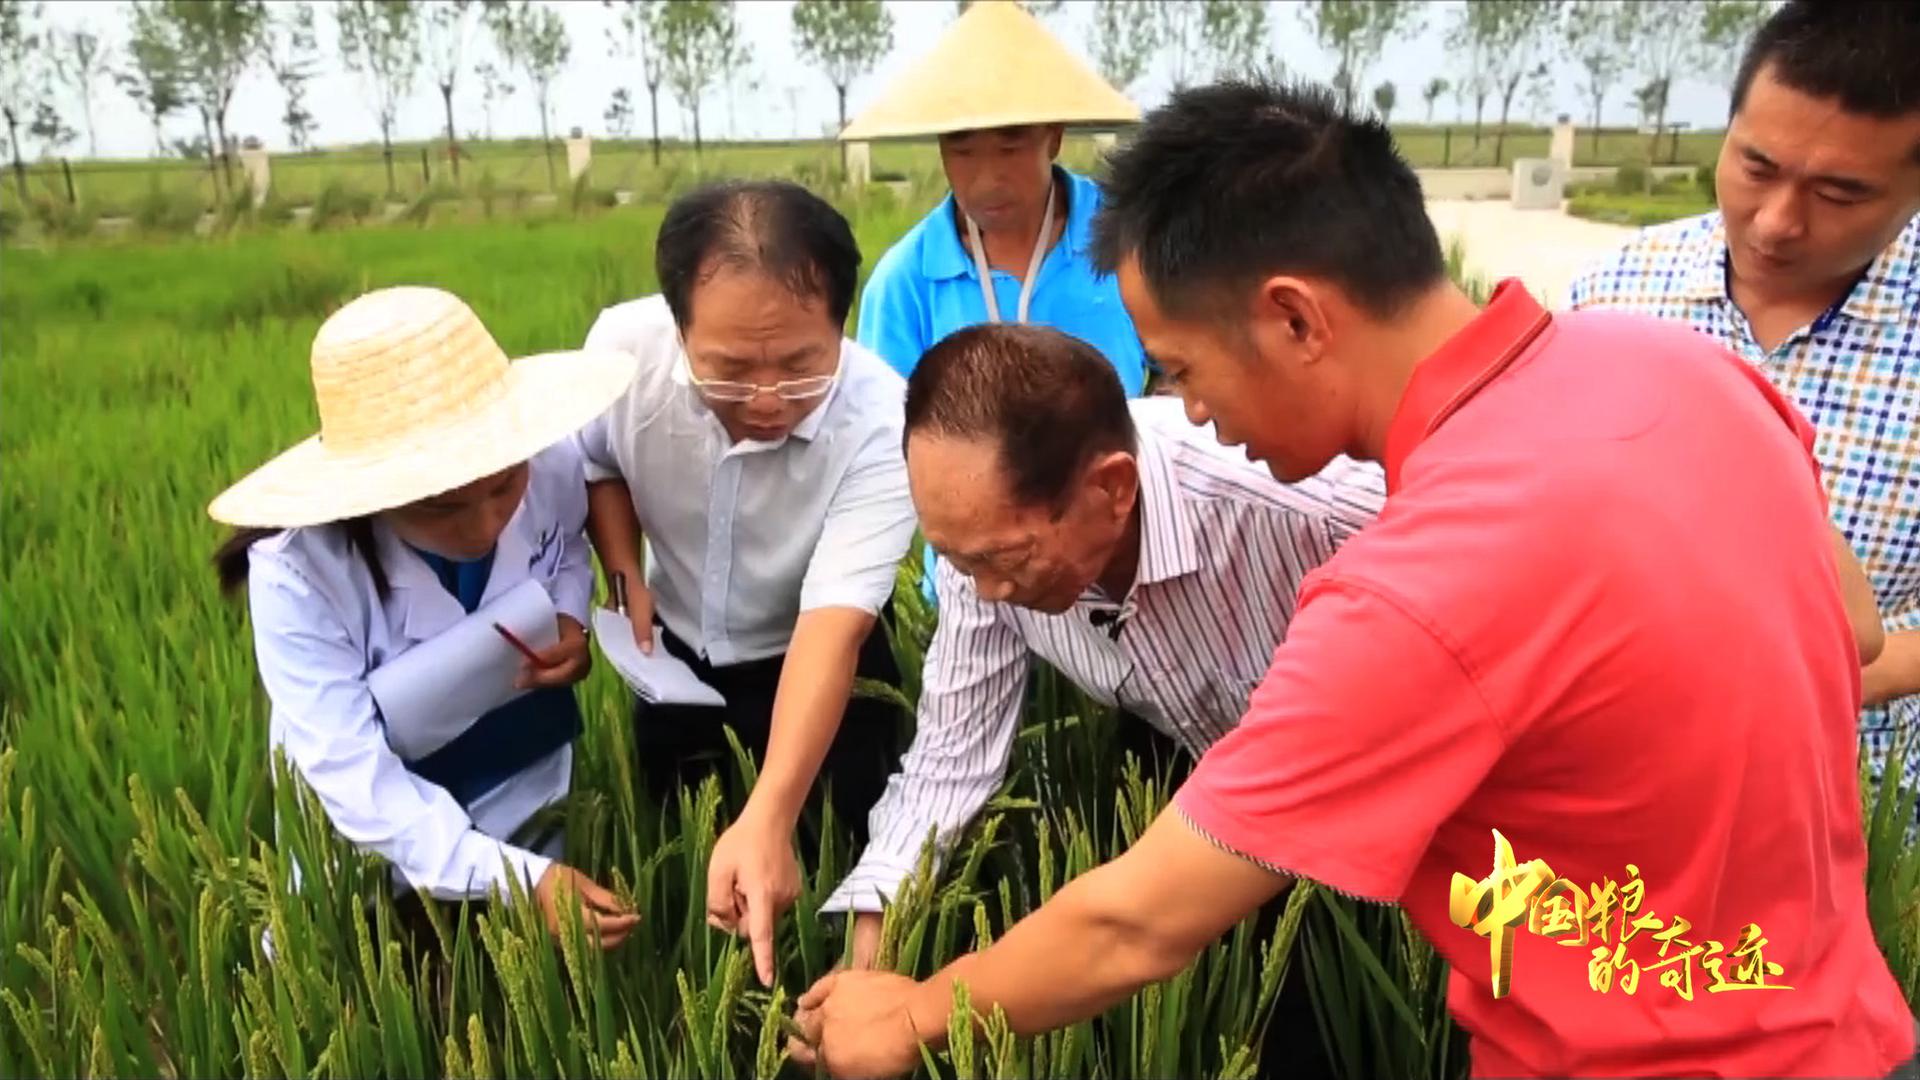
[[1120, 543]]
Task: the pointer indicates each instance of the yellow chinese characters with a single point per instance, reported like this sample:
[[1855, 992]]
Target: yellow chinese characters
[[1555, 907], [1496, 905]]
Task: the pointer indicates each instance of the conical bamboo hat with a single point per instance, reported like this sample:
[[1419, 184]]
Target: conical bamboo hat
[[996, 66]]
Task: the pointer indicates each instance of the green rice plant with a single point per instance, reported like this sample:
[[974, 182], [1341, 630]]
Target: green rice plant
[[420, 209], [303, 286], [1893, 865], [1473, 283], [235, 210], [583, 198], [59, 219], [338, 204], [167, 212], [275, 210], [1379, 992]]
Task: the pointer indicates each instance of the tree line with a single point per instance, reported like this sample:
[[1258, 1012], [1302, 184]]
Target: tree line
[[187, 57], [1497, 47]]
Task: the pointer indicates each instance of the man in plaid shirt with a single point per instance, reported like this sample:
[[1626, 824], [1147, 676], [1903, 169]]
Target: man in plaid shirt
[[1811, 271]]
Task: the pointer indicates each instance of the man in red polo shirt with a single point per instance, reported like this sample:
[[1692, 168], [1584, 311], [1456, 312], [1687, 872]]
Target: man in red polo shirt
[[1584, 695]]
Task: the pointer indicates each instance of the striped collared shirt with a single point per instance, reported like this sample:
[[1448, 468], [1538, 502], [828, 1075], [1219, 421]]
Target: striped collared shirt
[[1854, 372], [1223, 548]]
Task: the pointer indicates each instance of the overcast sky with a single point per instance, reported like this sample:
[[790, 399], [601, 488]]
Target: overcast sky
[[787, 97]]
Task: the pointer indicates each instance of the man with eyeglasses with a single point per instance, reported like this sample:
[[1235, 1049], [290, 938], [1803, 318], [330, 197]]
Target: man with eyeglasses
[[758, 451]]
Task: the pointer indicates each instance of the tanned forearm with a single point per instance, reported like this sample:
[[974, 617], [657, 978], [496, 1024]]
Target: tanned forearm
[[1077, 932], [1863, 612], [614, 529], [1896, 673]]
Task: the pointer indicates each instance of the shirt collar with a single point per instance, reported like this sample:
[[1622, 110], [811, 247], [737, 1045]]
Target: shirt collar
[[943, 256], [1706, 271], [1888, 292], [427, 609], [1461, 367], [1169, 537]]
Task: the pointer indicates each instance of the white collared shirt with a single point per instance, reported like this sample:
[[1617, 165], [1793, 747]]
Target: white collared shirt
[[746, 536], [1223, 548], [319, 628]]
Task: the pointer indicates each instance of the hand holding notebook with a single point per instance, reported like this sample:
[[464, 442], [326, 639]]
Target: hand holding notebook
[[659, 677]]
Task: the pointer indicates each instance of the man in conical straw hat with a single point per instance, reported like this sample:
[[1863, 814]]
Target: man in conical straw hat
[[440, 481], [1010, 243]]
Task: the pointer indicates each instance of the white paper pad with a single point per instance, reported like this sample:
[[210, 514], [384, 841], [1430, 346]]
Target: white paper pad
[[660, 678], [437, 689]]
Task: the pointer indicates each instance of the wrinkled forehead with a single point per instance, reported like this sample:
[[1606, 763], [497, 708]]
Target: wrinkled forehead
[[744, 309], [961, 491]]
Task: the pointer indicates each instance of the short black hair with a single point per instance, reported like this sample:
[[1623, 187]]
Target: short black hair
[[1866, 55], [774, 226], [1050, 402], [1231, 182]]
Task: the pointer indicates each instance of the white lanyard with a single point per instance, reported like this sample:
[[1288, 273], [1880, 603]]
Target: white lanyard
[[1033, 265]]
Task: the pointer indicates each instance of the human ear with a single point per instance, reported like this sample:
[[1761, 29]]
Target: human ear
[[1294, 308], [1116, 477]]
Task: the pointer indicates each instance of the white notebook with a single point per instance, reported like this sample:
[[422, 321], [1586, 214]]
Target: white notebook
[[437, 689], [660, 678]]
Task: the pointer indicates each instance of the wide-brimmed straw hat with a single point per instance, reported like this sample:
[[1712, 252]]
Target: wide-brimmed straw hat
[[416, 399], [996, 66]]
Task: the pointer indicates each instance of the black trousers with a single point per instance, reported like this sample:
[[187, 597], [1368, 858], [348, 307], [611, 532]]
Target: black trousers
[[684, 744], [1292, 1045]]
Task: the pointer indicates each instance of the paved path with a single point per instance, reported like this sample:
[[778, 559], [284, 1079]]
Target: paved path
[[1543, 248]]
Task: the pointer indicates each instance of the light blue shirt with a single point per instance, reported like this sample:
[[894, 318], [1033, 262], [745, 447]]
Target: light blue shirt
[[926, 287]]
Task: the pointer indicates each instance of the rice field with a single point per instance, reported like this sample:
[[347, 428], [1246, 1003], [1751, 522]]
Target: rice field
[[139, 861]]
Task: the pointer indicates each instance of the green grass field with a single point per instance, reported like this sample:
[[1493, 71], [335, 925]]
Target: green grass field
[[138, 855], [115, 188]]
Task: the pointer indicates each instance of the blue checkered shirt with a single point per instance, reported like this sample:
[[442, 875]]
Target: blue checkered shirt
[[1854, 372]]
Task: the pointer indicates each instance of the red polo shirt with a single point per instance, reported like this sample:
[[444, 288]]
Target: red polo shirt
[[1598, 614]]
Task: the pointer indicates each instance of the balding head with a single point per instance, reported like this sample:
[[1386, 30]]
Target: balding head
[[1020, 453], [774, 228]]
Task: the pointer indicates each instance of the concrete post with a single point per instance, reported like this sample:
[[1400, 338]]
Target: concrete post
[[1538, 184], [859, 156], [253, 161], [1561, 148], [579, 156]]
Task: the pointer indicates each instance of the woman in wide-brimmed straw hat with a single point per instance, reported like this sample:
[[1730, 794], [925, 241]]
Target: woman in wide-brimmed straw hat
[[441, 479]]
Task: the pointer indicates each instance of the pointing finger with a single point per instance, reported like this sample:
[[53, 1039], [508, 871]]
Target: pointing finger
[[760, 932]]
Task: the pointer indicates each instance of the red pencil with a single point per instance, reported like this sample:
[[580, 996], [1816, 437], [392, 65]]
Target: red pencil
[[532, 657]]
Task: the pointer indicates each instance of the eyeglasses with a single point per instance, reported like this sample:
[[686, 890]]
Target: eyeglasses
[[806, 389]]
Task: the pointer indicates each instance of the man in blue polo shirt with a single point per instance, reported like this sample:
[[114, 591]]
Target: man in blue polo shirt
[[1009, 244]]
